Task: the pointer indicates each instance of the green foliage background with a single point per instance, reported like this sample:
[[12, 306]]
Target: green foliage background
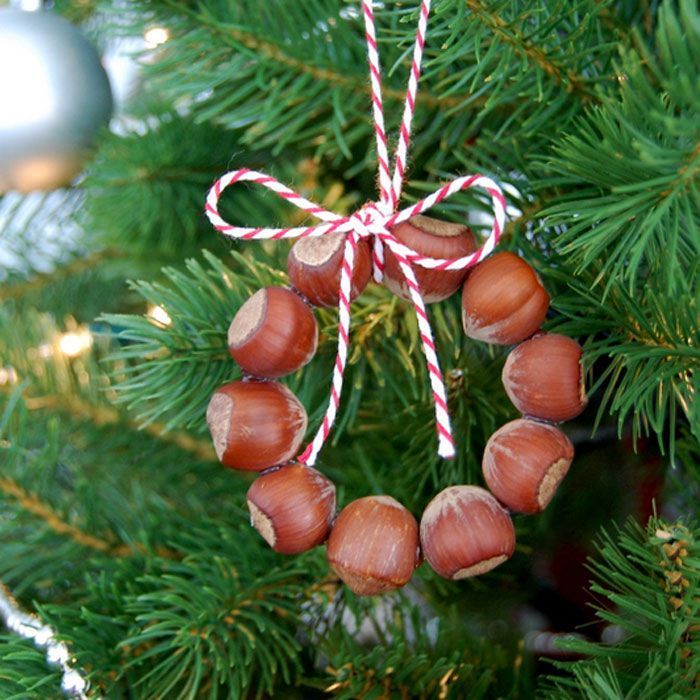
[[118, 527]]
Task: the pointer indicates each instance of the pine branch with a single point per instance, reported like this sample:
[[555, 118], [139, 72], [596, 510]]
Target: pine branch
[[145, 191], [41, 510], [201, 633], [180, 365], [310, 75], [15, 455], [25, 674], [650, 345], [75, 387], [104, 416], [336, 78], [652, 578], [33, 504], [552, 66], [72, 388], [631, 167], [44, 553], [31, 343], [36, 507], [76, 266], [398, 658], [631, 13], [39, 232], [66, 504]]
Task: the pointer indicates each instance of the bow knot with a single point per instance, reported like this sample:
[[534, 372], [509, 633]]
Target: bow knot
[[370, 220]]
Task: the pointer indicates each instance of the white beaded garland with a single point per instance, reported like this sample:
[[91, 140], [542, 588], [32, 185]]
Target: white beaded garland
[[57, 654]]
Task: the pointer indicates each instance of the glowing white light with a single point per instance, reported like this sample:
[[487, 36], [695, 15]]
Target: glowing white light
[[155, 36], [31, 5], [159, 314], [45, 350], [349, 13], [25, 85], [8, 375], [73, 343]]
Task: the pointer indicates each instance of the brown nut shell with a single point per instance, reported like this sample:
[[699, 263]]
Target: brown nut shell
[[465, 532], [434, 238], [373, 546], [314, 263], [292, 507], [543, 377], [255, 425], [524, 463], [274, 333], [503, 300]]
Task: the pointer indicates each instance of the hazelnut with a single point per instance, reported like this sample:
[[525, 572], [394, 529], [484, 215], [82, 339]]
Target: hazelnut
[[373, 545], [524, 463], [314, 263], [543, 377], [503, 300], [255, 425], [465, 532], [436, 239], [292, 507], [274, 333]]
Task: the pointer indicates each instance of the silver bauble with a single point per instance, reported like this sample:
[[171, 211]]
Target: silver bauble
[[54, 97]]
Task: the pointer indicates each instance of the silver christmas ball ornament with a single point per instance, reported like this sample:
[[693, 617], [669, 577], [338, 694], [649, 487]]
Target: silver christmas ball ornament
[[54, 97]]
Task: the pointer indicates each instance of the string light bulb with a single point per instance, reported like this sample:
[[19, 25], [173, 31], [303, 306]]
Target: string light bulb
[[155, 36], [74, 343], [159, 315], [8, 375], [45, 350]]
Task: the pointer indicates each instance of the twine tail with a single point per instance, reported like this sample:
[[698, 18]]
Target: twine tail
[[345, 290], [446, 445]]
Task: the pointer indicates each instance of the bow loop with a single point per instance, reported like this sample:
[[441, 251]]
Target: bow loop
[[332, 222]]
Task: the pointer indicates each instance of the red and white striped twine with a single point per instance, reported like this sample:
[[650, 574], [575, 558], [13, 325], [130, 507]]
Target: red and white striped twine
[[375, 221]]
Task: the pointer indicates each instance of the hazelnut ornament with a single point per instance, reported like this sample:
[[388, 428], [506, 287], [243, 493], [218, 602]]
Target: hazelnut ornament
[[373, 545], [273, 333], [503, 300], [465, 532], [543, 377], [292, 507], [524, 463], [436, 239], [255, 425], [313, 266]]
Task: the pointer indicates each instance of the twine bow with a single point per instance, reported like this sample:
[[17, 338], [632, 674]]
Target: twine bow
[[375, 221]]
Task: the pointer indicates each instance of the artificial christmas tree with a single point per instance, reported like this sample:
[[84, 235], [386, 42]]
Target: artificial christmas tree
[[129, 541]]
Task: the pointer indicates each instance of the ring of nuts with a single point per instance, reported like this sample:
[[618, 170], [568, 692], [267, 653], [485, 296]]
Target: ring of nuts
[[374, 544]]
